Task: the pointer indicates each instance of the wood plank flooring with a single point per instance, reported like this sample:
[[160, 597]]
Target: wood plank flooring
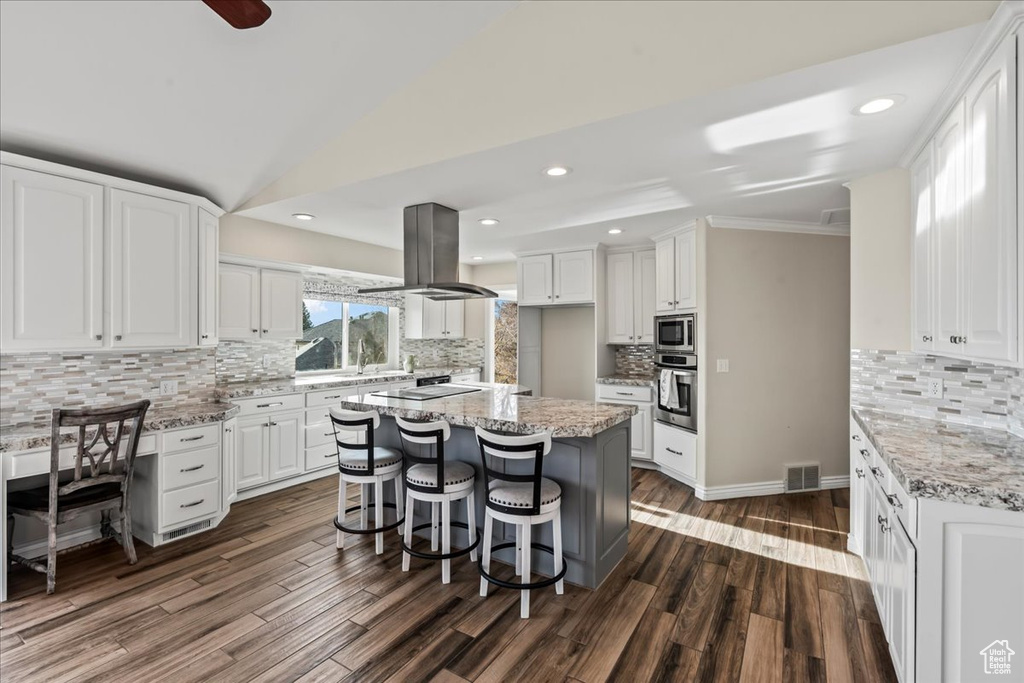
[[752, 589]]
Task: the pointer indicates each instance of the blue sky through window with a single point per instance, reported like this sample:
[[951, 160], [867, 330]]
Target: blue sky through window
[[321, 312]]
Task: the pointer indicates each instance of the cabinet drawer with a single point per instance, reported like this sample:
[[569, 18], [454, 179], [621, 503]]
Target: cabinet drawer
[[193, 502], [187, 439], [270, 404], [675, 449], [615, 392], [186, 469], [323, 433], [320, 457], [330, 397]]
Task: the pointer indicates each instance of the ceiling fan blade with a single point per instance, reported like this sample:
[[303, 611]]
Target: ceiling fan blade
[[241, 13]]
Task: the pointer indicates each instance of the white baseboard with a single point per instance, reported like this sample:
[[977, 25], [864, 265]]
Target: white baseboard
[[645, 464], [763, 488], [68, 539]]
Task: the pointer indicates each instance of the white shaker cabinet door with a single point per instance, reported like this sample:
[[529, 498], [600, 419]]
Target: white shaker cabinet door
[[208, 280], [990, 237], [949, 220], [574, 277], [665, 264], [280, 304], [252, 455], [239, 310], [454, 319], [51, 241], [645, 296], [686, 270], [619, 316], [535, 283], [922, 198], [286, 457], [902, 597], [153, 283]]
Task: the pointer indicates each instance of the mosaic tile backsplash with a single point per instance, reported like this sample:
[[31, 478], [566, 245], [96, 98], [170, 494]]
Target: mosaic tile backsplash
[[974, 393], [251, 361], [634, 360], [32, 384]]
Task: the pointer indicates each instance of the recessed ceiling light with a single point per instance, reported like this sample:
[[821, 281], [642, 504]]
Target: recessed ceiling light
[[878, 105], [615, 231], [478, 258], [556, 171], [488, 221], [303, 216]]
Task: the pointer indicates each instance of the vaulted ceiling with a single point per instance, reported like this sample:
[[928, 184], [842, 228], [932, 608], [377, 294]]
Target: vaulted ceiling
[[352, 110]]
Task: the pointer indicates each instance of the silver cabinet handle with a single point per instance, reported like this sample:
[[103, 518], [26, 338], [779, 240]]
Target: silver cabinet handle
[[877, 471], [192, 505], [255, 331], [864, 453], [329, 455], [193, 469], [926, 338], [860, 472], [229, 430], [206, 336], [192, 438], [623, 393], [332, 397], [894, 500], [855, 437], [269, 405], [676, 303], [882, 521], [327, 433], [672, 451], [273, 424]]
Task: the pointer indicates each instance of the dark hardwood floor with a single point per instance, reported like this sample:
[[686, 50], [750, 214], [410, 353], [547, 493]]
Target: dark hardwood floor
[[752, 589]]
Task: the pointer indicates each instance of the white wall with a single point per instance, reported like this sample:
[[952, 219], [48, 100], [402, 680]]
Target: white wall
[[778, 310], [880, 255]]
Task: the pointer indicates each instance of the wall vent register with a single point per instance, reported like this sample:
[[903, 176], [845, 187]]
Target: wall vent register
[[803, 477]]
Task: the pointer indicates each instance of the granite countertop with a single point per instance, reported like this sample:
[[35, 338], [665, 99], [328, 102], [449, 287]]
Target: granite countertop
[[292, 385], [500, 407], [955, 463], [629, 379], [26, 437]]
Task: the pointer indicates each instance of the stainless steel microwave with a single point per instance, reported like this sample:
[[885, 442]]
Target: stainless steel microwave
[[675, 334]]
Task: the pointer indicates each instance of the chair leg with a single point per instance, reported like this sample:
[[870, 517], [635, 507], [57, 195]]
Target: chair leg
[[409, 507], [471, 523], [105, 524], [519, 550], [127, 541], [556, 533], [364, 505], [340, 540], [485, 553], [10, 534], [524, 595], [378, 504], [51, 557], [399, 509], [446, 540], [433, 526]]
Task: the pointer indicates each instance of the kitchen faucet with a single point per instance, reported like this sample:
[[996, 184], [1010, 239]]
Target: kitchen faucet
[[360, 361]]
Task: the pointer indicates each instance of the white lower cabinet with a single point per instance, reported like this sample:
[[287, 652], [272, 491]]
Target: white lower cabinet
[[269, 448], [253, 459], [675, 450], [641, 447], [286, 459]]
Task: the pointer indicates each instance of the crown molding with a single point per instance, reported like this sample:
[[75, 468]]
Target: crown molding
[[738, 223], [672, 232], [596, 246], [1007, 20]]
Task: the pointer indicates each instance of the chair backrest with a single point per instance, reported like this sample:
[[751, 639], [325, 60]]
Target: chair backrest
[[423, 444], [519, 447], [359, 421], [106, 466]]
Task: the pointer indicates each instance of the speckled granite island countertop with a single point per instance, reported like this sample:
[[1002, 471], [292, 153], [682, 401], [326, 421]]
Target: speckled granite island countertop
[[27, 437], [955, 463], [293, 385], [629, 379], [501, 407]]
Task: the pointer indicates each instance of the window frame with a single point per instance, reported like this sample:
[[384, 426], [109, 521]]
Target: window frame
[[394, 313]]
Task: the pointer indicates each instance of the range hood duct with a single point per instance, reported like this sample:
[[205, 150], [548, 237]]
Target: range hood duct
[[432, 256]]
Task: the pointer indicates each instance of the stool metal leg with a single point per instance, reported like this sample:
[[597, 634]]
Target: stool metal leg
[[471, 522], [378, 504], [342, 489], [446, 540], [433, 526], [409, 506], [524, 595], [485, 554], [556, 532]]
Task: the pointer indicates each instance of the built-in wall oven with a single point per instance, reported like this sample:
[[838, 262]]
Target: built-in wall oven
[[675, 334], [677, 390]]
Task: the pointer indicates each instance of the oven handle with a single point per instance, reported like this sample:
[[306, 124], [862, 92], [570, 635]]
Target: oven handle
[[685, 373]]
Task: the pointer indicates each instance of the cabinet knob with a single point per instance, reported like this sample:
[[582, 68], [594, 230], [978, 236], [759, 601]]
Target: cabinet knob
[[860, 473], [99, 337], [206, 336], [264, 331], [926, 338], [558, 296], [255, 331], [855, 437], [117, 337], [675, 303]]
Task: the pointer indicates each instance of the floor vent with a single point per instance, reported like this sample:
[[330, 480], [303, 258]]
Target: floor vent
[[803, 477], [186, 530]]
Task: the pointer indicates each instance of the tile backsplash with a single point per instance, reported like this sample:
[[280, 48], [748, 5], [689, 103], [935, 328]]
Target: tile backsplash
[[251, 361], [634, 360], [974, 393], [444, 353], [32, 384]]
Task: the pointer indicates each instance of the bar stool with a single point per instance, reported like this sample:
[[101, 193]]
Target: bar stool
[[432, 479], [374, 465], [522, 500]]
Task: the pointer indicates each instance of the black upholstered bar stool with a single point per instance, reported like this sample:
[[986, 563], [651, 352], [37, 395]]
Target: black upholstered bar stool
[[360, 462], [522, 500], [432, 479]]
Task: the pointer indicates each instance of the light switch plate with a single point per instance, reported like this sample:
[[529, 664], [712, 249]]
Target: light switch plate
[[935, 388], [266, 360], [723, 365], [168, 387]]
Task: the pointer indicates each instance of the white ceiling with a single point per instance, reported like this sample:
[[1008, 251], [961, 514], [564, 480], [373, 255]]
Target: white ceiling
[[166, 91], [779, 148]]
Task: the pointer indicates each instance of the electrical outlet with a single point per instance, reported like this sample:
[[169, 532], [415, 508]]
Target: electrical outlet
[[723, 365], [168, 387], [935, 387]]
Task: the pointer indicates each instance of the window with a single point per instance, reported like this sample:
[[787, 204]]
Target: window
[[506, 341], [333, 330]]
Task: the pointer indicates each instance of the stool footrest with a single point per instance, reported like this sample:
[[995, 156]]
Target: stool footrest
[[441, 556], [374, 530], [544, 583]]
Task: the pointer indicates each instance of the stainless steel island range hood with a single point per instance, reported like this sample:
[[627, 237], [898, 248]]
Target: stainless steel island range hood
[[432, 256]]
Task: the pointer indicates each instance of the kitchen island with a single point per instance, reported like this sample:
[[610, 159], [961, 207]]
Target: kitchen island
[[589, 459]]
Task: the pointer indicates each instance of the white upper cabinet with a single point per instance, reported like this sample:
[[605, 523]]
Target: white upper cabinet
[[676, 265], [239, 309], [429, 319], [574, 277], [631, 297], [965, 189], [560, 278], [454, 319], [51, 240], [280, 304], [990, 239], [208, 280], [535, 278], [153, 284]]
